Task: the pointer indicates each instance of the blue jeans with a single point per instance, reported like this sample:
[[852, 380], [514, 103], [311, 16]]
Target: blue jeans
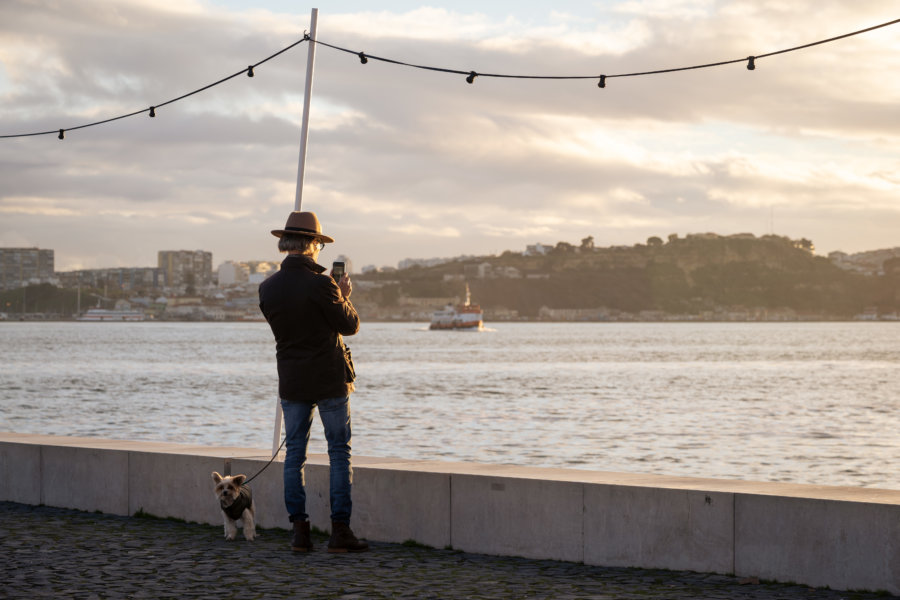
[[298, 418]]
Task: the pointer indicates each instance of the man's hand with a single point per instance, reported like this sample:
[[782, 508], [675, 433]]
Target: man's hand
[[345, 285]]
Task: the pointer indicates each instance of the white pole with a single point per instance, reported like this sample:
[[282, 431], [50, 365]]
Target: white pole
[[276, 441], [307, 96], [301, 168]]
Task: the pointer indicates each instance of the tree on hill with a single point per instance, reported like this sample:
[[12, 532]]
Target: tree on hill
[[564, 248]]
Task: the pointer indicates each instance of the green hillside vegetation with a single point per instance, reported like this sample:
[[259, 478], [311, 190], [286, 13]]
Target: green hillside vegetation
[[682, 276]]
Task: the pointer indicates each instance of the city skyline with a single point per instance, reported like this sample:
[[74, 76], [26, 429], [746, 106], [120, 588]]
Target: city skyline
[[404, 163], [871, 255]]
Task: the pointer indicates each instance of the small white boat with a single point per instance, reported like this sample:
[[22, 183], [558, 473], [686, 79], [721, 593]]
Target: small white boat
[[102, 314], [468, 316]]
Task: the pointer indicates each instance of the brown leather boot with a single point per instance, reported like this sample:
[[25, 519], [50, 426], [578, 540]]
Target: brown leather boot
[[343, 540], [301, 541]]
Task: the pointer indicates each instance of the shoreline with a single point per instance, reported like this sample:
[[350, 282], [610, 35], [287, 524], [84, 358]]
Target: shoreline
[[39, 318]]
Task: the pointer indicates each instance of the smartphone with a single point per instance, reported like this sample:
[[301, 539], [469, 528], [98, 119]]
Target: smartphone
[[337, 270]]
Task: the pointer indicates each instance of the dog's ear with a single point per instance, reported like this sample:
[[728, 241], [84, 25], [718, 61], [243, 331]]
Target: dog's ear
[[239, 479], [216, 477]]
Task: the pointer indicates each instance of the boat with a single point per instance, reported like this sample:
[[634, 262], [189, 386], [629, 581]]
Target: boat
[[466, 317], [102, 314]]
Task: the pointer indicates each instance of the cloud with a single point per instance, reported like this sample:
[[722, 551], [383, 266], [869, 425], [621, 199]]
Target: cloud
[[423, 230], [405, 162], [668, 9]]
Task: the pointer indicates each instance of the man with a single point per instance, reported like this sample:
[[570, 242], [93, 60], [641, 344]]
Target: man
[[308, 313]]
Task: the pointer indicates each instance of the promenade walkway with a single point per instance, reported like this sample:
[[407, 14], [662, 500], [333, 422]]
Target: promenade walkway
[[57, 553]]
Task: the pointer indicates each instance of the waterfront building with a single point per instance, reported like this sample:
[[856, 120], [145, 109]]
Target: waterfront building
[[23, 266], [537, 250], [233, 273], [117, 278], [186, 267]]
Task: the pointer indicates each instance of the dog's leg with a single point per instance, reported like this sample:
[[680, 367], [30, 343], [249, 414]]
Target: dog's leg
[[230, 529], [249, 518]]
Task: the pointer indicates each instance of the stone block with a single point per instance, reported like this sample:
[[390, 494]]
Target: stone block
[[532, 518], [627, 526], [843, 545], [88, 479], [176, 486], [20, 472], [397, 505]]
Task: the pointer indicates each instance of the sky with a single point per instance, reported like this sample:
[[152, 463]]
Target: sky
[[409, 163]]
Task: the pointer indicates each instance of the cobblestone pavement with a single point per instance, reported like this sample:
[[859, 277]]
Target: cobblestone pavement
[[57, 553]]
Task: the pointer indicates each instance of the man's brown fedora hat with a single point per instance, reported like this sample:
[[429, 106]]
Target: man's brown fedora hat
[[303, 223]]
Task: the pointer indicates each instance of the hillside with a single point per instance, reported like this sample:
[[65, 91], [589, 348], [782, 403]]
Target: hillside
[[682, 276]]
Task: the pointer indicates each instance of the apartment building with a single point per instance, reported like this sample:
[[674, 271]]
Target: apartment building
[[23, 266], [186, 267]]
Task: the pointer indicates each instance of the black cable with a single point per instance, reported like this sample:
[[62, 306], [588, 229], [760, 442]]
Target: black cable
[[470, 75], [247, 482], [656, 72], [248, 70]]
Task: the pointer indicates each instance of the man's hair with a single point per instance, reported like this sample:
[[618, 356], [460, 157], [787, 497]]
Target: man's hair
[[291, 242]]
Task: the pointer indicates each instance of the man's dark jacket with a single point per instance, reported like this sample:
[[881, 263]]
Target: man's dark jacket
[[308, 315]]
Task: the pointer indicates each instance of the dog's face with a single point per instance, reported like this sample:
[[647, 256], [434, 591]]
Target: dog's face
[[228, 488]]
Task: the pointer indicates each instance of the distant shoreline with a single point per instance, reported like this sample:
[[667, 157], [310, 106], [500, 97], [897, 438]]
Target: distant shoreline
[[56, 319]]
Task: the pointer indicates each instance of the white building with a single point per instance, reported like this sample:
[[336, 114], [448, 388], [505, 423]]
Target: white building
[[537, 249], [233, 273]]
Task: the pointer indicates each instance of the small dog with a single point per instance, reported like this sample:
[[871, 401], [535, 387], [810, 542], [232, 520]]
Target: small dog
[[236, 502]]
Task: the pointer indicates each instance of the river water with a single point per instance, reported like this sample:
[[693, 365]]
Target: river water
[[798, 402]]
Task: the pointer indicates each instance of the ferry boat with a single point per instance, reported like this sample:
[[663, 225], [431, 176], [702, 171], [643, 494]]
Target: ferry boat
[[102, 314], [466, 316]]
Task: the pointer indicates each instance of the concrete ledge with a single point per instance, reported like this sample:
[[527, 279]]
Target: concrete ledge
[[845, 538], [843, 545], [506, 515], [659, 528]]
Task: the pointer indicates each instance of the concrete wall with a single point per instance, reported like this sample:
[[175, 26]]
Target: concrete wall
[[845, 538]]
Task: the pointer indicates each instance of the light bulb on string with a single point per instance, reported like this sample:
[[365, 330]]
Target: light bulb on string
[[62, 134], [751, 63], [152, 111], [250, 71], [362, 58], [471, 77], [602, 82]]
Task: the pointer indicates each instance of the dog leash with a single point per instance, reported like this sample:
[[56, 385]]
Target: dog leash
[[268, 463]]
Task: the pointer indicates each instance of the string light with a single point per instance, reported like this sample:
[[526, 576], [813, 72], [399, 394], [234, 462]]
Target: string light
[[62, 134], [182, 97], [470, 75]]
